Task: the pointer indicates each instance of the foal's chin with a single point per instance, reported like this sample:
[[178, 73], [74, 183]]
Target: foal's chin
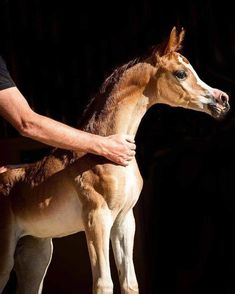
[[218, 112]]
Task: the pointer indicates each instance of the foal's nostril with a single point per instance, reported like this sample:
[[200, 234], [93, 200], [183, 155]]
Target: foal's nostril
[[224, 99]]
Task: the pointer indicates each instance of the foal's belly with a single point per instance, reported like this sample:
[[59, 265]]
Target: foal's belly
[[47, 212], [65, 220]]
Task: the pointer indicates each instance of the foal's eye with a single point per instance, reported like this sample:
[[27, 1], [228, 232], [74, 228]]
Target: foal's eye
[[180, 74]]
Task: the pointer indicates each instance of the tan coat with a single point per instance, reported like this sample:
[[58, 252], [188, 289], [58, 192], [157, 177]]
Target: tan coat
[[68, 192]]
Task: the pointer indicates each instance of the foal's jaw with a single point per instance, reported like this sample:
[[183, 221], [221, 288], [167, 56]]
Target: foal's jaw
[[216, 105], [215, 102], [217, 111], [210, 104]]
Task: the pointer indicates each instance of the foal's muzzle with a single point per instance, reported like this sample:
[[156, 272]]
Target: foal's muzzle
[[220, 104]]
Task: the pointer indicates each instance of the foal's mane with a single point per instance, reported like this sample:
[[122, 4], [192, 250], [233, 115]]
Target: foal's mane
[[98, 101]]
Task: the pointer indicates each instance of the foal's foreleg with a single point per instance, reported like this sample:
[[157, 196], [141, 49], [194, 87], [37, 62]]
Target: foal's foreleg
[[32, 258], [122, 236], [7, 248], [97, 228], [8, 240]]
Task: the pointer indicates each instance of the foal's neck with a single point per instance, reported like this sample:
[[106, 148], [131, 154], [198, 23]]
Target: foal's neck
[[125, 105]]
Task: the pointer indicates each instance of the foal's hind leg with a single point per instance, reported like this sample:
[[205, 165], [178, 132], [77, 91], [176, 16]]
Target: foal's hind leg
[[97, 228], [32, 258], [122, 237], [7, 242]]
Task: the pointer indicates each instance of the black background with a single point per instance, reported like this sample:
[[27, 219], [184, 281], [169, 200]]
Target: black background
[[60, 52]]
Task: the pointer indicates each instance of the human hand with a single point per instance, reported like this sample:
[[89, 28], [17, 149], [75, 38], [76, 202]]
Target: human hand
[[119, 148]]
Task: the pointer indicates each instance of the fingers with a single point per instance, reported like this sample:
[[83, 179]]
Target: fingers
[[122, 149], [125, 161], [132, 153], [129, 155], [129, 138], [131, 141], [132, 146]]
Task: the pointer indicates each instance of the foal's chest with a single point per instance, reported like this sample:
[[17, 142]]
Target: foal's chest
[[115, 186]]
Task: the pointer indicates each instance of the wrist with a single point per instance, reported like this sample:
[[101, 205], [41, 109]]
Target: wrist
[[97, 145]]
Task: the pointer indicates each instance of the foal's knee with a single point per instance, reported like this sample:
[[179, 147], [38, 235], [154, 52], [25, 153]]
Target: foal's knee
[[102, 286], [130, 288]]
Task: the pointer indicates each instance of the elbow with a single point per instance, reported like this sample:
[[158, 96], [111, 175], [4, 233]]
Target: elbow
[[26, 127]]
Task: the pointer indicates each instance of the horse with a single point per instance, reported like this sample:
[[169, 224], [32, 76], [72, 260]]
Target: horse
[[67, 192]]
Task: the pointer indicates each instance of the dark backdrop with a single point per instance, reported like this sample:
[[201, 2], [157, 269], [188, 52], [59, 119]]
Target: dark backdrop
[[59, 52]]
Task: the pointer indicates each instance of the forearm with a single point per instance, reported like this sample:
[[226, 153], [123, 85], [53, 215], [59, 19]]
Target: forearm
[[54, 133], [15, 109]]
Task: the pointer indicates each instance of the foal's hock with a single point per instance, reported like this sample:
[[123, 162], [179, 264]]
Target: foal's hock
[[68, 192]]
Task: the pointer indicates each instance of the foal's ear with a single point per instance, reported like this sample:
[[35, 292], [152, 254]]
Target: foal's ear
[[173, 44], [175, 41]]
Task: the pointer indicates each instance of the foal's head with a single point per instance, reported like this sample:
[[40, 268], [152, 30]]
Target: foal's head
[[177, 84]]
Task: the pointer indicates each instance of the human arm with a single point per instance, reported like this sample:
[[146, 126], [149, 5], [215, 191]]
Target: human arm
[[15, 109]]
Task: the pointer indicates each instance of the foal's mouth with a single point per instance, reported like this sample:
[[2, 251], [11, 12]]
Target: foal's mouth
[[217, 110]]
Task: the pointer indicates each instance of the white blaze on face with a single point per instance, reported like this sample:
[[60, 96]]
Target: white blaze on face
[[203, 99]]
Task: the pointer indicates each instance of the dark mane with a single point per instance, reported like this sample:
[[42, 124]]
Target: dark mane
[[115, 76], [97, 102]]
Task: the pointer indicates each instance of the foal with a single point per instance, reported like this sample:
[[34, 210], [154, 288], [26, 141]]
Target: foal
[[68, 192]]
